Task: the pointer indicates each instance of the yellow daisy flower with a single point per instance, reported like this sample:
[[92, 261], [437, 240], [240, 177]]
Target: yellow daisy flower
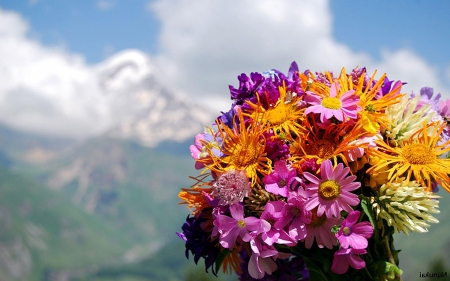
[[419, 158], [243, 149], [284, 118], [373, 114]]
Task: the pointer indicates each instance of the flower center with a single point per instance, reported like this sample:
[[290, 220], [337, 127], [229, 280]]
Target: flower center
[[331, 103], [282, 183], [244, 155], [315, 220], [278, 115], [418, 153], [329, 190], [296, 211], [347, 231], [324, 149], [241, 223]]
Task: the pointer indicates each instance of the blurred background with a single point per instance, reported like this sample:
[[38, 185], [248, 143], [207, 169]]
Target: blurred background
[[100, 100]]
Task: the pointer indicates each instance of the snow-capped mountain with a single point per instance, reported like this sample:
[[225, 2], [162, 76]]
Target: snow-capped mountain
[[151, 112], [121, 95]]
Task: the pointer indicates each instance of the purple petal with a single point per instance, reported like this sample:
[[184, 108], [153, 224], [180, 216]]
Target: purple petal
[[312, 178], [237, 211], [357, 241], [281, 169], [352, 218], [326, 170], [356, 262], [364, 229], [253, 224]]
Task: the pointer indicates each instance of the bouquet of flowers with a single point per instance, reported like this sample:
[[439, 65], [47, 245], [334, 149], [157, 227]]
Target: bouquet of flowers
[[309, 175]]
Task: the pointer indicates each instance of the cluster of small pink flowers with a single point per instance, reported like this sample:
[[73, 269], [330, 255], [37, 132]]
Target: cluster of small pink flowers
[[308, 215]]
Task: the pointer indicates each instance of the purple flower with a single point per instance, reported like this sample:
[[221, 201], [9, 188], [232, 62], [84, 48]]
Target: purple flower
[[197, 149], [279, 181], [426, 97], [262, 259], [247, 86], [275, 148], [273, 211], [295, 215], [353, 234], [387, 87], [287, 269], [344, 258], [230, 228], [199, 242]]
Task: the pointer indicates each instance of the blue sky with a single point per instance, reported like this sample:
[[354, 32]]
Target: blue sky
[[199, 47], [97, 29]]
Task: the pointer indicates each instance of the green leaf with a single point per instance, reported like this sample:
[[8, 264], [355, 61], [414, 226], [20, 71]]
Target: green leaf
[[366, 206], [220, 258]]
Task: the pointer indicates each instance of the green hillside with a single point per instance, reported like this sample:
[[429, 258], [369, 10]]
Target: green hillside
[[43, 233], [419, 250]]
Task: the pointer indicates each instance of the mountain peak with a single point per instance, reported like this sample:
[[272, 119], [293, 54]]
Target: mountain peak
[[124, 69]]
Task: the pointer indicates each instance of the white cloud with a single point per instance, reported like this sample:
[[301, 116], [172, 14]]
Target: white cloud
[[44, 89], [203, 46], [105, 5], [206, 44]]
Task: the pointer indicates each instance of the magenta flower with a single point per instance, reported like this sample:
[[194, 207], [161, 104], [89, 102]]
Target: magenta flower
[[331, 193], [231, 187], [295, 215], [262, 259], [343, 107], [198, 150], [347, 257], [279, 181], [353, 234], [319, 229], [273, 212], [230, 228]]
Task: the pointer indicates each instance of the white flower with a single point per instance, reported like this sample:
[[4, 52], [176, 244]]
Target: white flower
[[406, 206], [405, 120]]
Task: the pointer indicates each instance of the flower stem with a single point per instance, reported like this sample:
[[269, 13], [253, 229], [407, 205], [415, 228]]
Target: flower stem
[[389, 253]]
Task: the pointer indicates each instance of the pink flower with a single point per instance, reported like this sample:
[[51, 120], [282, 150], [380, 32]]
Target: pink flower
[[294, 214], [358, 152], [262, 259], [342, 108], [230, 228], [231, 187], [353, 234], [279, 181], [347, 257], [320, 229], [331, 193], [273, 212], [198, 150]]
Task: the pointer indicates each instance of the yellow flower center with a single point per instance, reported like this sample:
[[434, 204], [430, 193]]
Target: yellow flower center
[[241, 223], [346, 231], [418, 153], [245, 155], [278, 115], [315, 220], [331, 103], [329, 190], [324, 149]]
